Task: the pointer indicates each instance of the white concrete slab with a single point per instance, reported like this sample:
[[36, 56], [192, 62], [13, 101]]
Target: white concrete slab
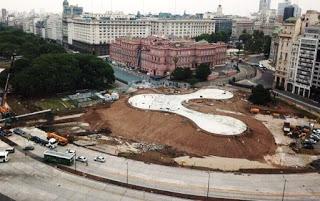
[[216, 124]]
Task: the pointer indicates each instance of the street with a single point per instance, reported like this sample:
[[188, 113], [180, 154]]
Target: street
[[195, 182]]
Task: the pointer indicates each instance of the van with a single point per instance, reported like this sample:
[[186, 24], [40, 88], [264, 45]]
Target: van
[[3, 156]]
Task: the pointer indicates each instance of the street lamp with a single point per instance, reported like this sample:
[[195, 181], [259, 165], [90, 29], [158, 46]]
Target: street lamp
[[208, 189]]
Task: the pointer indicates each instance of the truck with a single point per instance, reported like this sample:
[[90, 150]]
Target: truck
[[286, 127], [59, 158], [61, 140], [4, 156]]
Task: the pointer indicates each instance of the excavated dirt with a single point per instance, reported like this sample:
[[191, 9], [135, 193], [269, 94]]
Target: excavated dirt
[[181, 134]]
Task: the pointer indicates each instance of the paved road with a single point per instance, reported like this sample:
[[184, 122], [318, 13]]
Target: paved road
[[23, 178], [313, 106], [194, 182]]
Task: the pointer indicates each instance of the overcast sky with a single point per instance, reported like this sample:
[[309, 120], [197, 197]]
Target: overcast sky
[[240, 7]]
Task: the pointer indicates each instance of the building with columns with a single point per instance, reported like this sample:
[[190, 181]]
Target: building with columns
[[159, 56]]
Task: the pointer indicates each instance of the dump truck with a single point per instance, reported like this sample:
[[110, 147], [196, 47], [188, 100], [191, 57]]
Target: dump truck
[[61, 140]]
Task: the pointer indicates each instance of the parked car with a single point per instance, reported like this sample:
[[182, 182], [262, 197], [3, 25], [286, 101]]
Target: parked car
[[70, 151], [315, 137], [7, 133], [100, 159], [10, 150], [310, 141], [316, 131], [308, 146], [82, 159], [18, 131], [28, 148], [38, 140]]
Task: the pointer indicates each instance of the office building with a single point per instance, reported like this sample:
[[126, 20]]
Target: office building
[[264, 5]]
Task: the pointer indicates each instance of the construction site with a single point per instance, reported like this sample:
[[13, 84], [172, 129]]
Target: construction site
[[198, 128]]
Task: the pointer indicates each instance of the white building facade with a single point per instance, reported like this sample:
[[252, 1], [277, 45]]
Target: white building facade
[[182, 28]]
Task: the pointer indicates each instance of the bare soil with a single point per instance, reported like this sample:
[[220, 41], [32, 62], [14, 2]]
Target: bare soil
[[180, 133]]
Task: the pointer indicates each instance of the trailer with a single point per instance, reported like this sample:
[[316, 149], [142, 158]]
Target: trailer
[[59, 158]]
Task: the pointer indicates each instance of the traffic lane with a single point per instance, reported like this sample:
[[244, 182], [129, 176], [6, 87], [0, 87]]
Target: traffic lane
[[227, 184], [173, 179], [32, 178]]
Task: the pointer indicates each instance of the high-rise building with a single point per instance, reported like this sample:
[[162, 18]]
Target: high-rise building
[[282, 6], [304, 78], [288, 12], [4, 15], [264, 5]]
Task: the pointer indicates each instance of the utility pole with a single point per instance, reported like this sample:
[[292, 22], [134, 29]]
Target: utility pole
[[284, 189], [208, 189]]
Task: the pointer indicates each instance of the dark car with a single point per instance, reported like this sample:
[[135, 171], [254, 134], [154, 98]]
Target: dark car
[[18, 131], [7, 133], [38, 140], [28, 148], [307, 146], [10, 150]]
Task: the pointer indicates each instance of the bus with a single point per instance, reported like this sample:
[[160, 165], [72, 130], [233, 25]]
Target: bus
[[59, 158], [4, 156]]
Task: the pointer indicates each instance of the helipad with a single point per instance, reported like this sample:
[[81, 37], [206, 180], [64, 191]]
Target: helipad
[[215, 124]]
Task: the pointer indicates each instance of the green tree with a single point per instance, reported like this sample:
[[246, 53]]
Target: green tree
[[260, 95], [220, 36], [56, 73], [202, 72], [181, 74]]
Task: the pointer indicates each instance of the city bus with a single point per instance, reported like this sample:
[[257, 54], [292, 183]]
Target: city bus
[[58, 157]]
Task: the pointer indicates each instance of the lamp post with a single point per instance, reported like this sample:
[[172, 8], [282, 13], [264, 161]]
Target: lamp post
[[284, 188], [208, 188]]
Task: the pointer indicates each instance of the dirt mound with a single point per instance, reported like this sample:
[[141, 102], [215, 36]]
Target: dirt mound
[[180, 133]]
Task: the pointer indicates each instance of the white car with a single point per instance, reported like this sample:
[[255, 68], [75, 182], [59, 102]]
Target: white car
[[82, 159], [316, 131], [70, 151], [52, 141], [100, 159], [52, 146]]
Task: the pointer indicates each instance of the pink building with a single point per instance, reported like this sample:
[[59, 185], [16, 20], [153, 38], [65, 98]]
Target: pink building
[[159, 57]]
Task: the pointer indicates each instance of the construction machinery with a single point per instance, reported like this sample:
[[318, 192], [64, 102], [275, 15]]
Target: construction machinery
[[61, 140], [4, 109]]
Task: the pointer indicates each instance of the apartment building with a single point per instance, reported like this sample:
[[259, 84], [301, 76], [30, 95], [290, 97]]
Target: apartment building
[[289, 33], [159, 56], [305, 66], [53, 27]]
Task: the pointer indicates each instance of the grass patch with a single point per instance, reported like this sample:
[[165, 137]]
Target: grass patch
[[55, 104]]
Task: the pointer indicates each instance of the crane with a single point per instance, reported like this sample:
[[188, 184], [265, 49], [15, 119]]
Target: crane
[[4, 109]]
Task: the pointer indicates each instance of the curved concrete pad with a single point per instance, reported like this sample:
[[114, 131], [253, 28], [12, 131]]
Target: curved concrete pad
[[216, 124]]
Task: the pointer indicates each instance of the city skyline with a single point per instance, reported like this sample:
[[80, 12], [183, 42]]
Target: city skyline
[[146, 6]]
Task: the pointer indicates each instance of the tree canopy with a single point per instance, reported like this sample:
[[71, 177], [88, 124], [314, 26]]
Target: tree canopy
[[260, 95], [181, 74], [256, 42], [26, 45], [215, 37], [46, 69], [202, 72], [56, 73]]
